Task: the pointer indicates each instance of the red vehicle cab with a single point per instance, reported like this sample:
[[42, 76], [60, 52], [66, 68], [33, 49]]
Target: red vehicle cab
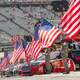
[[38, 67], [24, 70], [58, 66]]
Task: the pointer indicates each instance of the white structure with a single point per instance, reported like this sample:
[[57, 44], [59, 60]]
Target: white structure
[[1, 54]]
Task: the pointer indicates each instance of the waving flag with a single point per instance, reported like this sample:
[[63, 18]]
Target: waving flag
[[28, 52], [27, 47], [5, 61], [17, 52], [33, 50], [14, 39], [70, 22], [47, 32], [36, 48]]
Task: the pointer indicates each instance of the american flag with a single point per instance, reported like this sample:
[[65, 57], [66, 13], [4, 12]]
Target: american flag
[[70, 22], [48, 33], [15, 38], [28, 52], [36, 48], [27, 49], [17, 52], [49, 37], [5, 61], [22, 56]]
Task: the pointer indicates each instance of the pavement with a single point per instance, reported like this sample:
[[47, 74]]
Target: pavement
[[52, 76]]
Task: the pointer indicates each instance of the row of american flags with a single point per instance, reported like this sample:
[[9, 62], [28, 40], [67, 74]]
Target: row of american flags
[[46, 34]]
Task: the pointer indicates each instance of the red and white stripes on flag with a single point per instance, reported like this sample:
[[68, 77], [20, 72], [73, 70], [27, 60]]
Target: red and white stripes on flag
[[28, 52], [19, 51], [5, 63], [70, 22], [36, 48], [22, 56], [49, 37], [15, 38], [33, 50], [16, 54]]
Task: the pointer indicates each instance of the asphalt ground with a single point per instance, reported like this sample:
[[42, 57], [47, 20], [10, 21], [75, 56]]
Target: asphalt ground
[[52, 76]]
